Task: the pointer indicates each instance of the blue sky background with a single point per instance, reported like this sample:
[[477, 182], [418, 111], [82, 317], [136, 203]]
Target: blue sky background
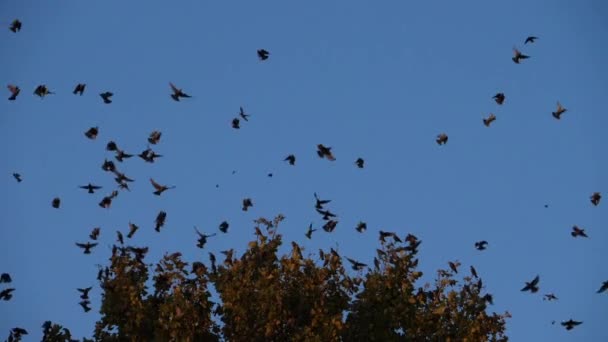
[[374, 80]]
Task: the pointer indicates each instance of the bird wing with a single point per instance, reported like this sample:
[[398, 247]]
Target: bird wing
[[174, 88], [535, 281], [156, 185]]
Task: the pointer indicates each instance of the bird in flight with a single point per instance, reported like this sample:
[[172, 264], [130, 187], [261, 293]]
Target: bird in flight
[[92, 133], [15, 26], [530, 39], [6, 294], [576, 231], [132, 229], [247, 203], [84, 292], [310, 231], [86, 246], [291, 159], [160, 220], [79, 89], [550, 297], [454, 266], [17, 177], [604, 287], [517, 56], [499, 98], [481, 245], [474, 272], [15, 90], [559, 111], [330, 226], [106, 202], [570, 324], [236, 123], [148, 155], [202, 238], [442, 139], [5, 278], [487, 121], [154, 137], [263, 54], [95, 233], [160, 188], [326, 214], [532, 286], [224, 227], [85, 305], [106, 96], [42, 91], [56, 202], [243, 115], [357, 266], [360, 162], [361, 227], [325, 152], [595, 198], [90, 188], [177, 93]]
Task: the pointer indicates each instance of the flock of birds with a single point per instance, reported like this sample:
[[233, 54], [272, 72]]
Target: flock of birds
[[148, 155]]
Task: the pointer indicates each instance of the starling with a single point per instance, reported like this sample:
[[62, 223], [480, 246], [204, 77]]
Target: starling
[[263, 54], [247, 203], [154, 137], [517, 56], [309, 232], [15, 26], [499, 98], [359, 162], [595, 198], [56, 202], [325, 152], [90, 188], [132, 229], [224, 227], [576, 231], [570, 324], [92, 133], [236, 123], [532, 286], [291, 159], [442, 139], [559, 111], [86, 246], [487, 121], [95, 233], [15, 90], [160, 188], [481, 245], [5, 278], [361, 227], [42, 91], [530, 39], [106, 96], [177, 93], [160, 220], [79, 89], [243, 115], [17, 177]]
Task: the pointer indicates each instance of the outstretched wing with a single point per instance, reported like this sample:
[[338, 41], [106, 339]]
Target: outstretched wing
[[156, 185]]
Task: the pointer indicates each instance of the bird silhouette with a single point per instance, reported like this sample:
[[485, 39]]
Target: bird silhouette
[[79, 89], [202, 238], [148, 155], [154, 137], [454, 266], [291, 159], [92, 133], [263, 54], [6, 294], [570, 324], [111, 146], [481, 245], [15, 90], [95, 233], [356, 265], [119, 238], [106, 202], [15, 26], [559, 111], [576, 231], [384, 235], [121, 155], [17, 177], [474, 272], [236, 123], [42, 91], [90, 188], [132, 229], [361, 227], [247, 203], [532, 286], [320, 203], [325, 152], [487, 121], [330, 226], [108, 166], [442, 139], [604, 287], [243, 115], [326, 214], [5, 278], [309, 232], [224, 227], [160, 188], [499, 98], [550, 297], [85, 305], [518, 56], [84, 292], [106, 97], [86, 246], [177, 93], [160, 220], [595, 198], [56, 202], [360, 162], [530, 39]]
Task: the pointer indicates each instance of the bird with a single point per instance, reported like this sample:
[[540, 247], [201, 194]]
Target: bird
[[42, 91], [17, 177], [121, 178], [530, 39], [243, 115], [359, 162], [595, 198], [6, 294], [474, 272], [5, 278], [576, 231], [85, 292], [559, 111], [247, 203], [570, 324], [56, 202], [121, 155], [106, 96], [106, 202], [263, 54], [108, 166], [487, 121], [499, 98], [325, 152], [224, 227], [15, 90], [384, 235], [604, 287], [15, 26], [361, 227], [481, 245], [488, 298], [177, 93], [120, 238], [291, 159], [549, 297], [236, 123], [454, 266], [148, 155], [92, 133], [85, 305], [90, 188], [160, 188], [154, 137], [160, 220], [16, 334], [330, 226], [310, 231], [442, 139], [356, 265], [132, 229], [517, 56], [111, 146], [95, 233], [79, 89], [532, 286], [86, 246], [202, 238], [326, 214]]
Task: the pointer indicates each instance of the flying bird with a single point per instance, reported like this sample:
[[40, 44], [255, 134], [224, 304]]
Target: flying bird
[[95, 233], [247, 203], [42, 91], [15, 90], [56, 202], [15, 26], [160, 220], [474, 272], [326, 214], [86, 246], [499, 98], [111, 146], [384, 235], [487, 121], [530, 39], [5, 278], [243, 115], [85, 305], [481, 245], [121, 155], [359, 162], [6, 294], [454, 266], [325, 152], [595, 198], [90, 188], [108, 166], [310, 231], [160, 188], [154, 137], [120, 238], [357, 266], [442, 139], [177, 93], [532, 286], [330, 226], [148, 155], [236, 123], [107, 97], [132, 229], [84, 292], [263, 54], [79, 89], [576, 231], [17, 177], [106, 202], [202, 238], [517, 56], [559, 111], [550, 297], [361, 227], [291, 159], [570, 324], [92, 133], [604, 287], [224, 227]]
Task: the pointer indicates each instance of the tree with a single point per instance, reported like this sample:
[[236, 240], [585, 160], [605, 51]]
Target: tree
[[267, 297]]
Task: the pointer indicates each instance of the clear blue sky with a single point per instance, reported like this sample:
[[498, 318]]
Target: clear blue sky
[[372, 80]]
